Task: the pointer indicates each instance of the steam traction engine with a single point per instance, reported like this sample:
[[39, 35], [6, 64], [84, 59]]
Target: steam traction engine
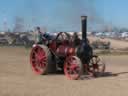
[[69, 54]]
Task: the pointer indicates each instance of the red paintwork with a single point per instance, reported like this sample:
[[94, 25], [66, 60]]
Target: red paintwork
[[53, 45], [64, 51], [71, 68], [38, 60]]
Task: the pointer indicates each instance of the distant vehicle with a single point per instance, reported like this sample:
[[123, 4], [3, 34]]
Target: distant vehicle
[[98, 34], [113, 35], [124, 34], [107, 34], [3, 41], [89, 33]]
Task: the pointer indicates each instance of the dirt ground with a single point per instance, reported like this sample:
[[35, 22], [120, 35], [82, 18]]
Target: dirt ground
[[17, 78]]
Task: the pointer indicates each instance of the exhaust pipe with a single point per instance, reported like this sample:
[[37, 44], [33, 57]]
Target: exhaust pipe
[[84, 28]]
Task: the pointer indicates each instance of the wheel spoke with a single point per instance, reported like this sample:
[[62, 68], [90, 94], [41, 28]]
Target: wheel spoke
[[39, 53], [97, 60], [38, 59], [72, 67], [98, 65], [42, 65]]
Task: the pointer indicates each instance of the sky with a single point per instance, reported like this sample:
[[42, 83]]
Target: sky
[[63, 15]]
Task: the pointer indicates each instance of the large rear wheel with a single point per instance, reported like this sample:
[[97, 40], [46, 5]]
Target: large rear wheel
[[41, 60]]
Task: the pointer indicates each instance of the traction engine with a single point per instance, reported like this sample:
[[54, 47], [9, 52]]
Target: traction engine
[[68, 54]]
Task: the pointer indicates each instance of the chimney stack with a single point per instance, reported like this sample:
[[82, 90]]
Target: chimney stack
[[84, 28]]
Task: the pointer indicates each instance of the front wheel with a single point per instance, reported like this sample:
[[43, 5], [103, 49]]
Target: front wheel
[[96, 66]]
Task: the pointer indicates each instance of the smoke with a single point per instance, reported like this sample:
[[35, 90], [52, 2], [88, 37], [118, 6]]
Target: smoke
[[18, 24], [59, 15]]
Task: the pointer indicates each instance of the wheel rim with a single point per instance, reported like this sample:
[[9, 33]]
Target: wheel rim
[[38, 60], [72, 68], [96, 66]]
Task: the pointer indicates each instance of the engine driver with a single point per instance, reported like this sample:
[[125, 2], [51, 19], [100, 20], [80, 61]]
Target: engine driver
[[41, 37]]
